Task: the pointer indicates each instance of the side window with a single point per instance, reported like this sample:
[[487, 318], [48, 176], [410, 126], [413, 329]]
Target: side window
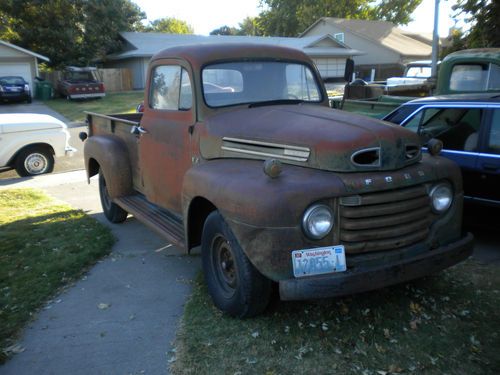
[[457, 128], [494, 137], [170, 88]]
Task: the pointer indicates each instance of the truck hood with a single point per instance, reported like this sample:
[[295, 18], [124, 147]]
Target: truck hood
[[24, 122], [312, 136]]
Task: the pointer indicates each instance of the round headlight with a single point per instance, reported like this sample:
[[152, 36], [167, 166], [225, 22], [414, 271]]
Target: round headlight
[[441, 198], [317, 221]]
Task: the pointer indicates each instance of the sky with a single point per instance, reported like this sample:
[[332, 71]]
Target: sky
[[205, 16]]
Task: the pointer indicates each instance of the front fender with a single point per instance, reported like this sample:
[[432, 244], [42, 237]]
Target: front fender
[[112, 158]]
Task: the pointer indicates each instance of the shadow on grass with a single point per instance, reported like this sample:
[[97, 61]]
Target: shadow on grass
[[38, 256]]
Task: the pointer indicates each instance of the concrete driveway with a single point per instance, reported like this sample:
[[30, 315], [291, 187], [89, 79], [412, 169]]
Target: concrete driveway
[[145, 282]]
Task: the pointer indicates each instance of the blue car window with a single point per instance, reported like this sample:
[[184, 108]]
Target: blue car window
[[494, 138]]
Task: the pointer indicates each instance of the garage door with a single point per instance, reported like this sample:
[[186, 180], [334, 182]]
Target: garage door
[[20, 69]]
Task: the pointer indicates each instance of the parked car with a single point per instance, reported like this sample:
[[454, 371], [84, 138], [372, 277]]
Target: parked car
[[81, 83], [29, 142], [14, 88], [469, 127]]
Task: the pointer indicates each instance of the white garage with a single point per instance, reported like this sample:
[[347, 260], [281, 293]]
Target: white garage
[[17, 61]]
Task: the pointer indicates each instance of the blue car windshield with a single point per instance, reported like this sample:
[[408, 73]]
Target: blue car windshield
[[252, 82], [12, 81]]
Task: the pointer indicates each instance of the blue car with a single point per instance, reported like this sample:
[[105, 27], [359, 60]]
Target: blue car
[[469, 127], [14, 88]]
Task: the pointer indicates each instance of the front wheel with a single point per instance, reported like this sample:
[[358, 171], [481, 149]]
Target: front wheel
[[112, 211], [33, 161], [235, 285]]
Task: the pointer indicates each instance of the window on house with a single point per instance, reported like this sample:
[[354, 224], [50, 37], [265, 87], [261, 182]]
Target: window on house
[[339, 37]]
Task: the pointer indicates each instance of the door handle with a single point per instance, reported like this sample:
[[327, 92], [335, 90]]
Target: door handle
[[138, 130]]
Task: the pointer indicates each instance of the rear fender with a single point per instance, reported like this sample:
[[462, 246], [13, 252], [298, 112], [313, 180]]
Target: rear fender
[[109, 154]]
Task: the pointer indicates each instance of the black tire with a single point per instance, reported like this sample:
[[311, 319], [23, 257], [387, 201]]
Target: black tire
[[33, 161], [235, 285], [112, 211]]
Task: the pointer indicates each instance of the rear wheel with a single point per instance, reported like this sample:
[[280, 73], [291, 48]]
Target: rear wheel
[[34, 160], [235, 285], [112, 211]]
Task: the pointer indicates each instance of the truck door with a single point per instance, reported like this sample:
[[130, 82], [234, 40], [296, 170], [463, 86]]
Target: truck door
[[164, 147]]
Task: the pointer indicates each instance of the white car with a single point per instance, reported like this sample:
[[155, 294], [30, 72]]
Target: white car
[[29, 142]]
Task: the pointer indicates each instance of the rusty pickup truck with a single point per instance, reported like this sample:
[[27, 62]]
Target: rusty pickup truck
[[238, 152]]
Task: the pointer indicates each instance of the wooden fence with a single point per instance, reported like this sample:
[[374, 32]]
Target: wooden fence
[[114, 79]]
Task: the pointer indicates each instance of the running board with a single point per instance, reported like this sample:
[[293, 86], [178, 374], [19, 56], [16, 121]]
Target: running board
[[161, 221]]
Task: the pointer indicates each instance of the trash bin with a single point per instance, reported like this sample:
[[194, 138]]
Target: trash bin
[[46, 90], [38, 90]]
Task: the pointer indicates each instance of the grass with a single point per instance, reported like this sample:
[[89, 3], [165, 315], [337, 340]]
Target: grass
[[44, 246], [443, 324], [112, 103]]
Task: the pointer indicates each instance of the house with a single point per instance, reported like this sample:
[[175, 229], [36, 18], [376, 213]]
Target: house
[[328, 53], [17, 61], [387, 48]]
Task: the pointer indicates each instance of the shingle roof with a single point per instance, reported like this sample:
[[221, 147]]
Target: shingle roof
[[28, 52], [381, 32], [147, 44]]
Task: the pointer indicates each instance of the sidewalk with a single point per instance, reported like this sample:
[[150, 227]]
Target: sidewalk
[[141, 289]]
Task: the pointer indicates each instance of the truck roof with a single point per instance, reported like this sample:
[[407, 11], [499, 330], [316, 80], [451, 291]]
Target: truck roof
[[475, 53], [459, 98], [200, 54]]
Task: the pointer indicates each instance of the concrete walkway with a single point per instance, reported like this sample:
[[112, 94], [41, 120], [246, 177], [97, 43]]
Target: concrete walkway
[[121, 318]]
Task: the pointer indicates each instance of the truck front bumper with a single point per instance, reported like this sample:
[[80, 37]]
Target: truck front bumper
[[369, 278]]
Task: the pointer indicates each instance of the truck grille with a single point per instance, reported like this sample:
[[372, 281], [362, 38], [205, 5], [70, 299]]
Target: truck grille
[[384, 221]]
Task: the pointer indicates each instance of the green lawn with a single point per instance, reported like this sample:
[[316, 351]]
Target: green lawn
[[443, 324], [44, 245], [112, 103]]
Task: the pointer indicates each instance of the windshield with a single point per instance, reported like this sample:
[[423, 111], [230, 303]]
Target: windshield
[[80, 76], [12, 81], [258, 81]]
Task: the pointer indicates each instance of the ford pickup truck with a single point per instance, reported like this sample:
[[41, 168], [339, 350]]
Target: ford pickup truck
[[238, 152]]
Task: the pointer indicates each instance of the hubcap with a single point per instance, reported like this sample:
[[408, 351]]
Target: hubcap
[[36, 163], [224, 265]]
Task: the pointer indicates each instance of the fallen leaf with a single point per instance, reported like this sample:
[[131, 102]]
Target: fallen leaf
[[344, 310], [104, 306], [387, 333], [414, 324], [255, 334], [395, 369]]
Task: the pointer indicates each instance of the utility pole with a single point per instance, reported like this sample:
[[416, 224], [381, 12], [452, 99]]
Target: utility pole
[[435, 40]]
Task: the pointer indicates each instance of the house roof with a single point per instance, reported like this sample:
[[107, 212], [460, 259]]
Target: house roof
[[148, 44], [28, 52], [380, 32]]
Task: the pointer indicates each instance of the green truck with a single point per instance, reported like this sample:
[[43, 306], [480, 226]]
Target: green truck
[[467, 71]]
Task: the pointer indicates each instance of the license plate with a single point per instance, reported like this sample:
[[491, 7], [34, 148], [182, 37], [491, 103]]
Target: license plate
[[318, 261]]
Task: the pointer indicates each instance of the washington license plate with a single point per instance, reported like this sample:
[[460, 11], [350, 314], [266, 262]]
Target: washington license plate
[[318, 261]]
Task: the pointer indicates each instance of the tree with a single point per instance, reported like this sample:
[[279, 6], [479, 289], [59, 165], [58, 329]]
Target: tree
[[169, 25], [224, 30], [291, 17], [484, 18], [102, 22], [250, 26], [67, 31]]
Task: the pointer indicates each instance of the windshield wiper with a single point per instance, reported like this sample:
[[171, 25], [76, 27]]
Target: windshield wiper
[[275, 102]]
